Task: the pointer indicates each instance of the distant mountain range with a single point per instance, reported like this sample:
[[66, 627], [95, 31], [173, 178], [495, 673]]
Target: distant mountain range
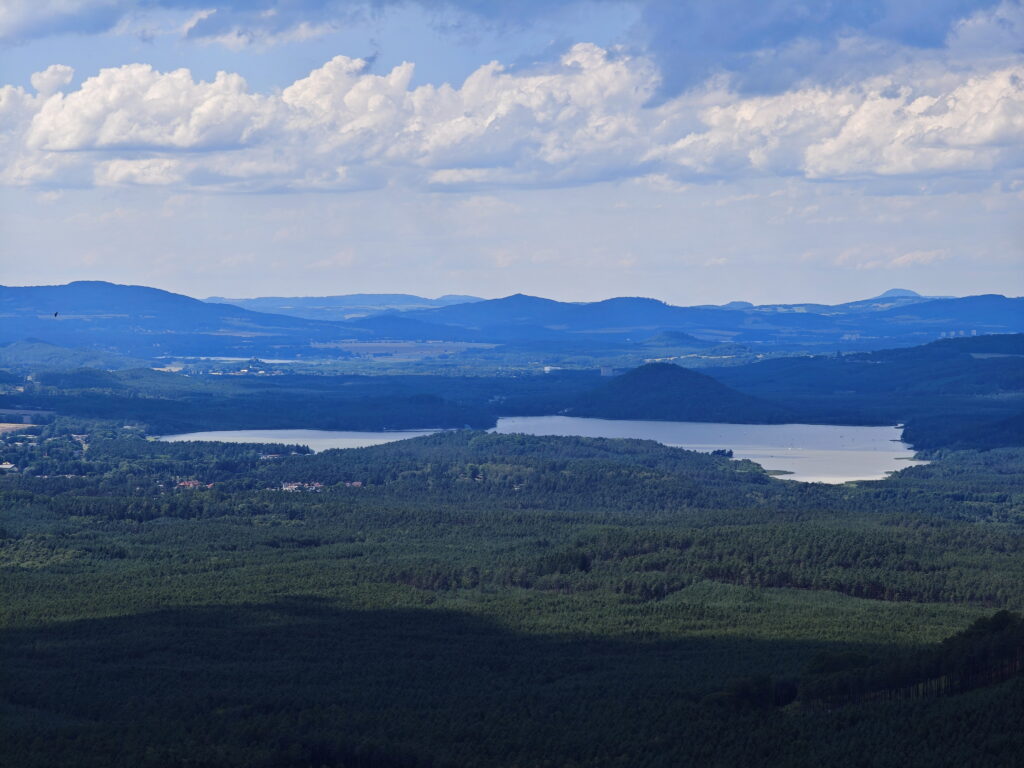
[[891, 299], [356, 305], [896, 320], [344, 307], [148, 322]]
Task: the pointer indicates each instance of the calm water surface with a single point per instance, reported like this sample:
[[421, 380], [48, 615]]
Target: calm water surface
[[315, 439], [811, 452]]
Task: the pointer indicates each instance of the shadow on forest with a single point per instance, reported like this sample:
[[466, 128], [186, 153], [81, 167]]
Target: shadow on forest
[[298, 672]]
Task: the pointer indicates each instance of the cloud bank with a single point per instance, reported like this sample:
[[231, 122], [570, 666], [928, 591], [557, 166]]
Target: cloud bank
[[591, 116]]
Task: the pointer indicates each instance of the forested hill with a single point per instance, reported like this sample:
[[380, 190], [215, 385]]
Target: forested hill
[[666, 392], [960, 431], [986, 365], [938, 389], [33, 355]]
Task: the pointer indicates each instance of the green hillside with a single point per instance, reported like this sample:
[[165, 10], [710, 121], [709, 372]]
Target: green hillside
[[661, 391]]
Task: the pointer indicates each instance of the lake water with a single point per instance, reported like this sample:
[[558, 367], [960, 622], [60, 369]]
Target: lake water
[[811, 452], [315, 439]]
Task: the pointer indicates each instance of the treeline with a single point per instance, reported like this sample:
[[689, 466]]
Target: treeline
[[262, 411]]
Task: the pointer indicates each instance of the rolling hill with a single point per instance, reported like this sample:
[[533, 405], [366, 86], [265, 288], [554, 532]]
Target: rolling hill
[[148, 322], [901, 320], [939, 390]]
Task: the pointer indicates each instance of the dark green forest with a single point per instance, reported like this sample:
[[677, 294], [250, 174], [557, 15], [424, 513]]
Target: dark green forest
[[472, 599]]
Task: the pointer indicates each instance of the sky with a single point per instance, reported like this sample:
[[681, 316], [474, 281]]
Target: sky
[[695, 151]]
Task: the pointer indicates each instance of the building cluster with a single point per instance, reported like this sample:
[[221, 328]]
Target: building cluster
[[295, 487], [316, 487]]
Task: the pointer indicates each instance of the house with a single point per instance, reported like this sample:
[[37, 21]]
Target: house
[[190, 484]]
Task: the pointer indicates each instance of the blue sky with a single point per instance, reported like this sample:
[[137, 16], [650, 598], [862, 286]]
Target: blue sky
[[690, 150]]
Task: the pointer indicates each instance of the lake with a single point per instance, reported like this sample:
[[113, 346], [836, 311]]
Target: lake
[[811, 452], [315, 439]]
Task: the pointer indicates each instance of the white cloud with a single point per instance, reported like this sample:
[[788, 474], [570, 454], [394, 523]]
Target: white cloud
[[971, 127], [996, 31], [919, 257], [586, 118], [52, 79], [883, 127], [238, 36], [151, 171], [194, 20], [139, 108], [16, 110]]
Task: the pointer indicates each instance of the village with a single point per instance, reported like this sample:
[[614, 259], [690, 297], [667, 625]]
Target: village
[[290, 487]]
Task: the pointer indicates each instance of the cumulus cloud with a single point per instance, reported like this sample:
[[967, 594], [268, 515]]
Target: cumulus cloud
[[977, 125], [52, 79], [588, 117], [881, 127], [137, 107]]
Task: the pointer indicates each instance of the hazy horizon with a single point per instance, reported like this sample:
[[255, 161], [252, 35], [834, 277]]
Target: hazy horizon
[[433, 297], [700, 152]]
